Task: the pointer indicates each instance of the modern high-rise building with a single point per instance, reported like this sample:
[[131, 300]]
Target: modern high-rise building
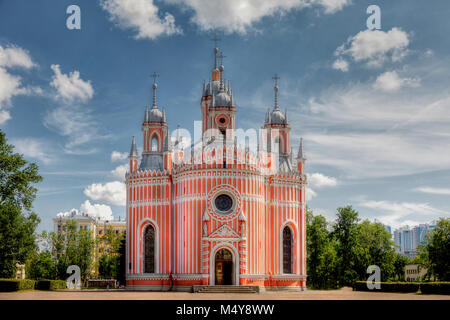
[[407, 239]]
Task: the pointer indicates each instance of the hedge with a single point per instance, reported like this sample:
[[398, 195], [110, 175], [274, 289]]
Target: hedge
[[51, 285], [388, 286], [435, 287], [16, 284]]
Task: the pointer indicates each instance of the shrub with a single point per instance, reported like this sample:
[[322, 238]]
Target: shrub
[[389, 286], [435, 287], [16, 284], [51, 285]]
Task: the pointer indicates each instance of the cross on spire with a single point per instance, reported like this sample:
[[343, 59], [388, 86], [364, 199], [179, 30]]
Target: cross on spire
[[276, 78], [221, 56], [154, 76]]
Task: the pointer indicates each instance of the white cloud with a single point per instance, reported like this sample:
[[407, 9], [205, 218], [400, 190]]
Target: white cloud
[[310, 193], [396, 214], [70, 88], [241, 15], [101, 211], [341, 64], [318, 180], [119, 172], [142, 16], [374, 47], [14, 56], [111, 192], [118, 156], [78, 125], [34, 148], [431, 190], [390, 81]]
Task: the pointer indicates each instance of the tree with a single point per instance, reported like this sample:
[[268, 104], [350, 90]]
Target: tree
[[17, 221], [400, 262], [41, 266], [345, 234], [109, 261], [373, 247], [321, 253], [73, 246], [435, 252]]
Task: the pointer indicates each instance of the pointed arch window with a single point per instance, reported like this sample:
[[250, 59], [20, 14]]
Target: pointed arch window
[[287, 250], [149, 250], [154, 143]]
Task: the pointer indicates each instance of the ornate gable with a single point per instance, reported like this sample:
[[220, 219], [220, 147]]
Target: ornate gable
[[224, 231]]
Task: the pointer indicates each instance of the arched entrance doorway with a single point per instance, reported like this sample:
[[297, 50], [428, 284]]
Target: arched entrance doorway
[[224, 267]]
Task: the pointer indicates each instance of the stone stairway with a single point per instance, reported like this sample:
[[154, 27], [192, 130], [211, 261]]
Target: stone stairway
[[225, 289]]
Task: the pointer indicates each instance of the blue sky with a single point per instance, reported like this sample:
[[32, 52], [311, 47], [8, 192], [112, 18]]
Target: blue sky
[[372, 106]]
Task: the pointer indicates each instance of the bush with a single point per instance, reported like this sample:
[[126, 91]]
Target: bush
[[7, 285], [51, 285], [435, 287], [388, 286]]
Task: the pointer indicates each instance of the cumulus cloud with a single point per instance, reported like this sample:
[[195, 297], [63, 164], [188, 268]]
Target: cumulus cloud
[[142, 16], [14, 56], [396, 214], [34, 148], [390, 81], [318, 180], [241, 15], [111, 192], [71, 87], [341, 64], [310, 193], [374, 47], [118, 156], [101, 211], [431, 190], [119, 172], [10, 84]]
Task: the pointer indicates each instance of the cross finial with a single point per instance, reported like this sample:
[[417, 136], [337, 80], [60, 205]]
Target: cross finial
[[221, 56], [154, 76], [276, 78]]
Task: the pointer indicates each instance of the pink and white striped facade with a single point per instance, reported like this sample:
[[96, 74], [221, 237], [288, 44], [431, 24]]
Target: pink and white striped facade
[[174, 190]]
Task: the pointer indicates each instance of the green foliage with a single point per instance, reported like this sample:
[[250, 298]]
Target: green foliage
[[400, 262], [74, 246], [41, 266], [7, 285], [435, 253], [51, 285], [435, 287], [321, 253], [345, 233], [388, 286], [110, 260], [17, 228]]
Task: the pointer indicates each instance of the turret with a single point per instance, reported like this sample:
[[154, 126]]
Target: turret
[[133, 156], [300, 158]]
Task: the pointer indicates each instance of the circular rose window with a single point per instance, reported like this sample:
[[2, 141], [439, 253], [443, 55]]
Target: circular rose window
[[223, 203]]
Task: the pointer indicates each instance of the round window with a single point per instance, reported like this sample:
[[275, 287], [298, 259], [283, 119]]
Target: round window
[[223, 203], [222, 120]]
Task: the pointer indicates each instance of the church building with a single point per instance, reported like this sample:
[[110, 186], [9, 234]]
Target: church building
[[216, 212]]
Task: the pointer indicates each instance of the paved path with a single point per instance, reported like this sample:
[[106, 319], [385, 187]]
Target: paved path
[[343, 294]]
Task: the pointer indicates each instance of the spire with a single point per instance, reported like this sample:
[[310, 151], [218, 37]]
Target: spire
[[300, 150], [133, 150], [154, 76], [147, 115], [167, 143], [275, 89], [216, 50]]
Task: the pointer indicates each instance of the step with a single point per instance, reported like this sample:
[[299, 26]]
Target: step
[[225, 289]]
